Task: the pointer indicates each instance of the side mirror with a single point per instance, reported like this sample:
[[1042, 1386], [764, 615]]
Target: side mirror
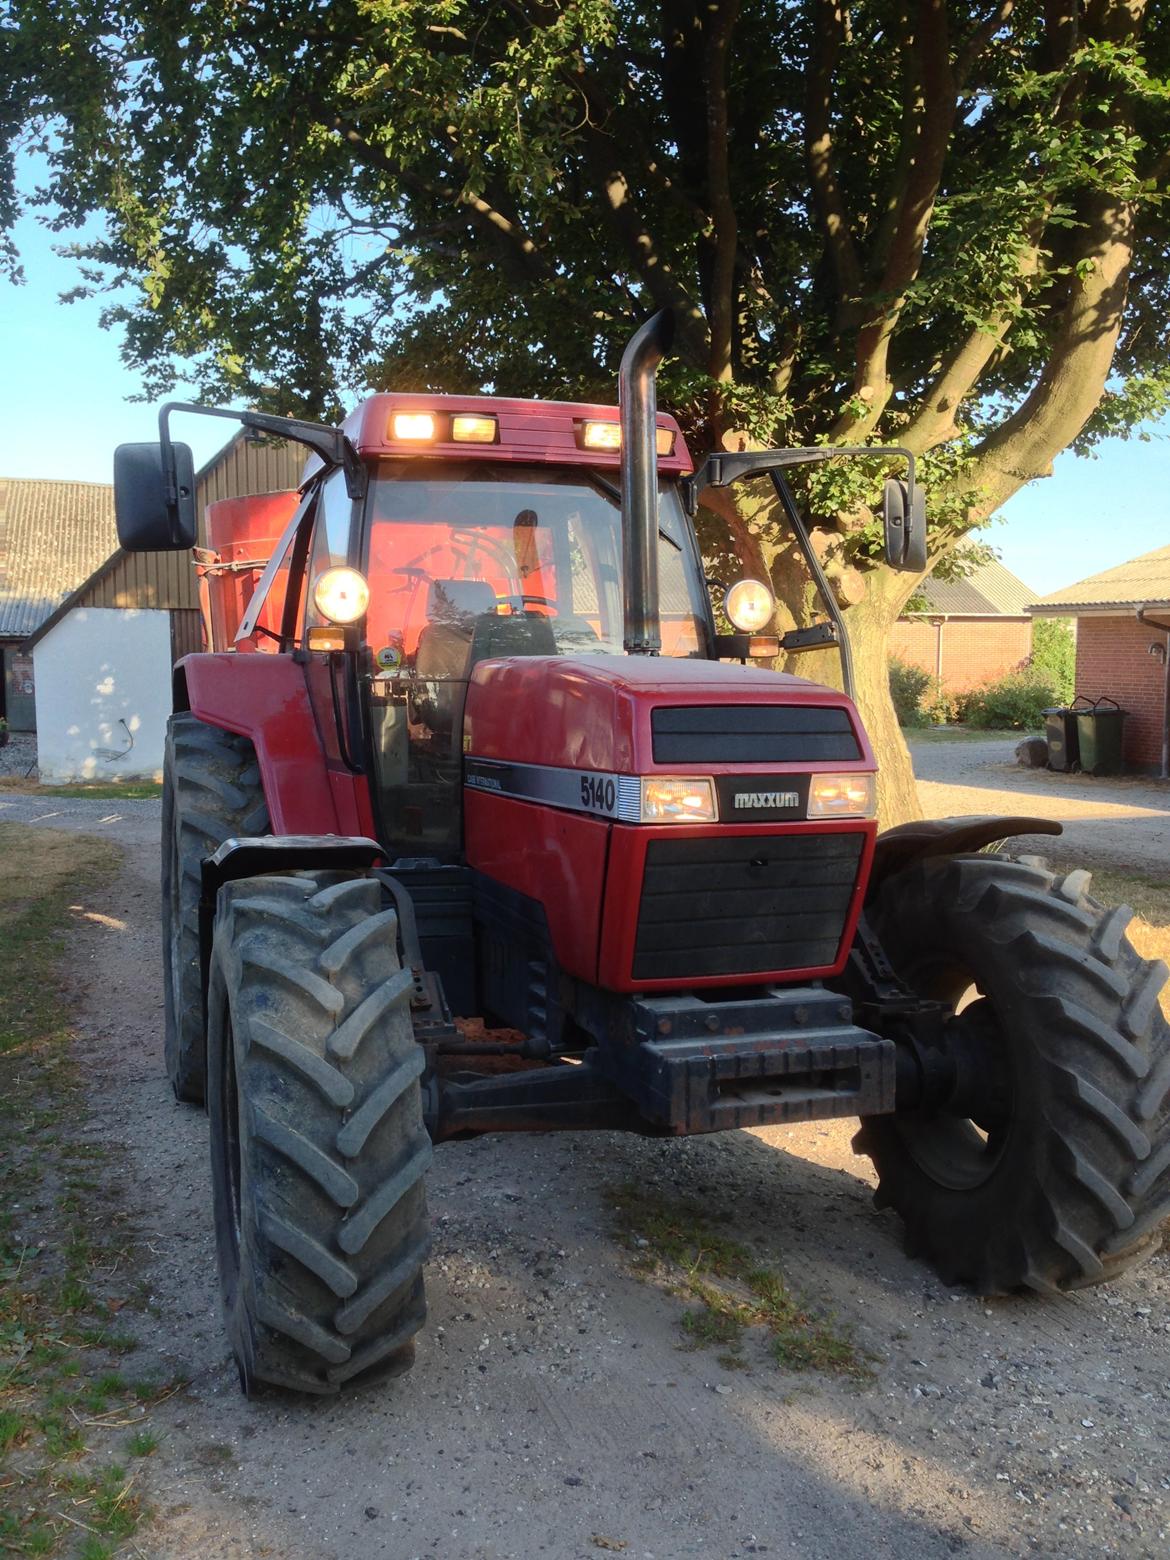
[[154, 508], [904, 519]]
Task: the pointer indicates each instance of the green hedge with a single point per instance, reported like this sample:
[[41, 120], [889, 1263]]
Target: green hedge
[[908, 687], [1015, 703]]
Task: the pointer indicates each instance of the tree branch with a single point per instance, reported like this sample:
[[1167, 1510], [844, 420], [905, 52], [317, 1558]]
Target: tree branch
[[969, 54], [931, 94], [828, 200], [1072, 381], [725, 235], [935, 423], [517, 248], [653, 271]]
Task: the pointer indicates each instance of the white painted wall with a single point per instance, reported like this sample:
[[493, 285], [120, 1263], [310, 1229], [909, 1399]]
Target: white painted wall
[[103, 676]]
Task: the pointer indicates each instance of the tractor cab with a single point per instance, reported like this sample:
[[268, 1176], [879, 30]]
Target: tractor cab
[[470, 557]]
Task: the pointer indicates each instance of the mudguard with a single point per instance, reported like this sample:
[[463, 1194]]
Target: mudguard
[[265, 698], [898, 847]]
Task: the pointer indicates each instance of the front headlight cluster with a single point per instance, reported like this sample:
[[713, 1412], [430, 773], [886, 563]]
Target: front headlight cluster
[[842, 796], [677, 801], [667, 799]]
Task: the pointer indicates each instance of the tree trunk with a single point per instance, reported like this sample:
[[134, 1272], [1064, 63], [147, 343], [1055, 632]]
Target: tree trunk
[[872, 603], [869, 624]]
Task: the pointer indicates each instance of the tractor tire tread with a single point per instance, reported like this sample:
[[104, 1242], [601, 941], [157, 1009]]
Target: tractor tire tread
[[333, 1220], [1091, 1192]]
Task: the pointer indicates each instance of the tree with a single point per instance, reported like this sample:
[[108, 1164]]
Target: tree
[[917, 222]]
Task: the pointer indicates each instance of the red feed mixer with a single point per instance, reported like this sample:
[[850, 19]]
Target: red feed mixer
[[473, 822]]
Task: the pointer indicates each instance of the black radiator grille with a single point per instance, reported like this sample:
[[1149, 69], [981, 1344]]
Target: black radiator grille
[[742, 906], [752, 734]]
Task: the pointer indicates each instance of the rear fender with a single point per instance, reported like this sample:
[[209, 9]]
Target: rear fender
[[896, 848], [264, 698]]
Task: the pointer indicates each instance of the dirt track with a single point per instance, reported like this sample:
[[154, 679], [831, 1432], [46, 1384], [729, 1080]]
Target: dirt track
[[551, 1411]]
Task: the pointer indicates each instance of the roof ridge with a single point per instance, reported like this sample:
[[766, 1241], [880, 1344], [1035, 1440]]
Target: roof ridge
[[57, 482]]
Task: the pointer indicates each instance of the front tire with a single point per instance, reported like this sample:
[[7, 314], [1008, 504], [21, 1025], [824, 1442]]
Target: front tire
[[1066, 1182], [318, 1147]]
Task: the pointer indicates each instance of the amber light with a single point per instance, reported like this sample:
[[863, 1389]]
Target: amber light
[[677, 801], [841, 796], [341, 595], [466, 429], [597, 435], [412, 427]]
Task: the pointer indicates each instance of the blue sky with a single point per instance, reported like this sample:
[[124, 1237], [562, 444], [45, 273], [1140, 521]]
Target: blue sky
[[65, 403]]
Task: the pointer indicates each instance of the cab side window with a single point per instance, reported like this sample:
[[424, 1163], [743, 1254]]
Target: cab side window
[[331, 535]]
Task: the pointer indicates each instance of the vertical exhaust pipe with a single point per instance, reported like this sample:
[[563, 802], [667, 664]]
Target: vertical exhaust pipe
[[639, 413]]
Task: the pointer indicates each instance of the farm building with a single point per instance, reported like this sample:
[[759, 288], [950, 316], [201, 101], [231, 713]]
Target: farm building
[[53, 535], [102, 656], [968, 632], [1123, 646]]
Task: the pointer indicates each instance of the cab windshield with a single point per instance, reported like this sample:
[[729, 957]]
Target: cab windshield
[[448, 547]]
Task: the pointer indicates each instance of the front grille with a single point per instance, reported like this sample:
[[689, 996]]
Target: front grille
[[744, 906], [752, 734]]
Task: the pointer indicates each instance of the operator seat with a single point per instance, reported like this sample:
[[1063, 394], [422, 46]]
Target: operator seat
[[454, 607], [463, 627]]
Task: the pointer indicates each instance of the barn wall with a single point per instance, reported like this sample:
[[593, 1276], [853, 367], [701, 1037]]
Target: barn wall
[[153, 579], [98, 668], [975, 651], [1113, 658]]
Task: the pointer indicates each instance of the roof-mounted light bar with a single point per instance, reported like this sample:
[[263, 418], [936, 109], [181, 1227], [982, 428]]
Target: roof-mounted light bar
[[447, 428]]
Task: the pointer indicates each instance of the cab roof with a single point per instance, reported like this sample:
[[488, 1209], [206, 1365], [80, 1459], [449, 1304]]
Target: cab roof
[[534, 431]]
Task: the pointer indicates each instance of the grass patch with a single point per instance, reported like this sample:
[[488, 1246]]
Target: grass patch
[[730, 1294], [123, 791], [64, 1251], [916, 734]]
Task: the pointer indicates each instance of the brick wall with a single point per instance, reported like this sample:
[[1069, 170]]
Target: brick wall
[[1113, 658], [974, 650]]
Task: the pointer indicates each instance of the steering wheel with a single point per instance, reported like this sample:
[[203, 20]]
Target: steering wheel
[[521, 602]]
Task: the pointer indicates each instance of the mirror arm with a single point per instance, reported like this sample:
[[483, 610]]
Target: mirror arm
[[721, 468], [824, 589], [330, 444]]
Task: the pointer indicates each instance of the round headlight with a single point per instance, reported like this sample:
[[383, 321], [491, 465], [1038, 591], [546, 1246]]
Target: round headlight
[[341, 595], [749, 605]]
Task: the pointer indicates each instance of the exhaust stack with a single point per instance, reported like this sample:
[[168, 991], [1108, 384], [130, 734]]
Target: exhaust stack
[[638, 405]]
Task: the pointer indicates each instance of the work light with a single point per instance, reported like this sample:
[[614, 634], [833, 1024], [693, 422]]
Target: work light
[[341, 595], [598, 435], [413, 427], [750, 606]]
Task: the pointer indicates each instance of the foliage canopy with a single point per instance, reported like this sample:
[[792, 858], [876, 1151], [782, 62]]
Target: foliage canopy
[[905, 219], [922, 222]]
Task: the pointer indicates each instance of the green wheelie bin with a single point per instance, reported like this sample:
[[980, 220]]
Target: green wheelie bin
[[1100, 736]]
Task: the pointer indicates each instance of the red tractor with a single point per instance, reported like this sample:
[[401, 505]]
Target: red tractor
[[473, 822]]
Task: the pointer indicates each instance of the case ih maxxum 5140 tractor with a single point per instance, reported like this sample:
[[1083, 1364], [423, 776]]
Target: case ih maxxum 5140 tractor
[[466, 745]]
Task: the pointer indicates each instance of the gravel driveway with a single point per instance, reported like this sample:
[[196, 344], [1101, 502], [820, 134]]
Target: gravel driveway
[[552, 1411], [1121, 822]]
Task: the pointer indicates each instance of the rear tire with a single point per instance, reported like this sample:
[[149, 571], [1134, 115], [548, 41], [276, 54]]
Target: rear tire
[[1068, 1182], [318, 1148], [211, 792]]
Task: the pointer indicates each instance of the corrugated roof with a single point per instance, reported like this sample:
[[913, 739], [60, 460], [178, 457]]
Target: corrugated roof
[[53, 535], [988, 591], [1132, 584]]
